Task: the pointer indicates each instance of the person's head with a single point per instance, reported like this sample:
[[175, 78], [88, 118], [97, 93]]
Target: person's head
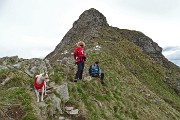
[[97, 62], [81, 43]]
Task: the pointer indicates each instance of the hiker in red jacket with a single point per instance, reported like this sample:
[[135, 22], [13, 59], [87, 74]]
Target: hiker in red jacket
[[80, 57]]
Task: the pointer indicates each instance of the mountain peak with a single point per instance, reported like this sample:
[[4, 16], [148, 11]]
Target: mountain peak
[[86, 28], [91, 17]]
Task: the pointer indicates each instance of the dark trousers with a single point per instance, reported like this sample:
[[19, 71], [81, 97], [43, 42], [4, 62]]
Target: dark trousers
[[100, 76], [80, 68]]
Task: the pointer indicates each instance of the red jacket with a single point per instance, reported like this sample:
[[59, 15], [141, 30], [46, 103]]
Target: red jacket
[[38, 86], [79, 54]]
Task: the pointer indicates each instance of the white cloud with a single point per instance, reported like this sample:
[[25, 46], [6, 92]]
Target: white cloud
[[172, 53]]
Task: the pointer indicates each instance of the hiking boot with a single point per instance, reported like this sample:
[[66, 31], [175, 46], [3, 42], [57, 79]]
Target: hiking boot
[[75, 80], [102, 82]]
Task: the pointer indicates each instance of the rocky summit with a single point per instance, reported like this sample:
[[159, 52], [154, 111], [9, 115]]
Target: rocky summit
[[140, 83], [86, 28]]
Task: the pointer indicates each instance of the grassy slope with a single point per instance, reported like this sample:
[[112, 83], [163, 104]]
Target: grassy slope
[[134, 86], [14, 93]]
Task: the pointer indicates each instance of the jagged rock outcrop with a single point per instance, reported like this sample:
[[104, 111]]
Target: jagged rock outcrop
[[86, 28], [146, 44], [57, 94], [89, 26], [29, 66]]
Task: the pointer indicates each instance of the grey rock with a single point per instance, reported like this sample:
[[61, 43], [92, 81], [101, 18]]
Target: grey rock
[[146, 44], [63, 91], [73, 112], [88, 78], [52, 84], [29, 73], [3, 67], [61, 118], [56, 103], [69, 108], [18, 65], [29, 66]]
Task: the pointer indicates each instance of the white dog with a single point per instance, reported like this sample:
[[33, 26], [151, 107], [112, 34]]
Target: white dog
[[40, 85]]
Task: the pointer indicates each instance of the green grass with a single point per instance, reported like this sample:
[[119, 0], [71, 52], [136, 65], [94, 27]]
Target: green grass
[[134, 89], [128, 71], [15, 93]]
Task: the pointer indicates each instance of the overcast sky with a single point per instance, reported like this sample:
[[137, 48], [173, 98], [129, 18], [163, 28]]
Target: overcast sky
[[33, 28]]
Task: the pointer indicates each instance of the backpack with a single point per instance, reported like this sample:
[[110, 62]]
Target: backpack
[[92, 70]]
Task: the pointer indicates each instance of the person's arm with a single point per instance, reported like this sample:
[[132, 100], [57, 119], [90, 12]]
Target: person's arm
[[75, 53], [90, 70], [99, 71]]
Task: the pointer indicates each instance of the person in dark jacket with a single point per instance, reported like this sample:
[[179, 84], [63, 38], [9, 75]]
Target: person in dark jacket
[[95, 71], [80, 58]]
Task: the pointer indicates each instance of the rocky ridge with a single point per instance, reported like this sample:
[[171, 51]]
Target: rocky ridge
[[87, 27], [92, 24], [140, 82], [57, 93]]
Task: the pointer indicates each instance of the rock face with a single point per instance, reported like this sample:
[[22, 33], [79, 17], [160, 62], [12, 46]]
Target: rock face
[[89, 26], [146, 44], [29, 66], [86, 28]]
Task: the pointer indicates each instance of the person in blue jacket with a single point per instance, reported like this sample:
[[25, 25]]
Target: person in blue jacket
[[95, 71]]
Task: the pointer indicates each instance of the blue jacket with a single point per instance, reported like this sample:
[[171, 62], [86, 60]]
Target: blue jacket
[[94, 69]]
